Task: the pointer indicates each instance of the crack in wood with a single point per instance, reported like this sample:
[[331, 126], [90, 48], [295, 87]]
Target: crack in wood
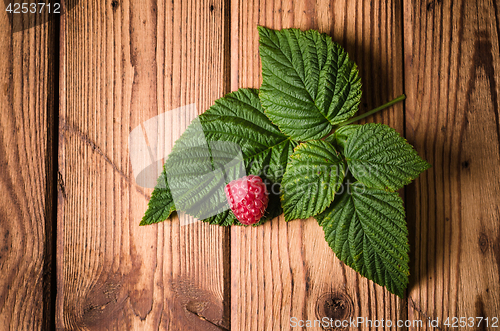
[[83, 137], [421, 312], [192, 311], [60, 183]]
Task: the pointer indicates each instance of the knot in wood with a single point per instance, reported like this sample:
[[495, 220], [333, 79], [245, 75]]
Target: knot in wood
[[334, 305]]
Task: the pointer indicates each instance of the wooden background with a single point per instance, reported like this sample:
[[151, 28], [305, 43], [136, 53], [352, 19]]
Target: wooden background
[[72, 256]]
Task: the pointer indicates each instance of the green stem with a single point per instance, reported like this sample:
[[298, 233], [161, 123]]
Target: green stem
[[373, 111]]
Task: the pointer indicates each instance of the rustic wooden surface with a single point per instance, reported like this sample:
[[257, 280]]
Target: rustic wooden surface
[[112, 65], [122, 63], [27, 108], [281, 270], [452, 70]]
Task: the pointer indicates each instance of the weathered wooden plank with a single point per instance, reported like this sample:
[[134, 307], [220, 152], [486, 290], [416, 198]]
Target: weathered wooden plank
[[27, 108], [280, 270], [452, 71], [124, 62]]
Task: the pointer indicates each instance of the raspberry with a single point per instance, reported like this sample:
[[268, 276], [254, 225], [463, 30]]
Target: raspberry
[[248, 198]]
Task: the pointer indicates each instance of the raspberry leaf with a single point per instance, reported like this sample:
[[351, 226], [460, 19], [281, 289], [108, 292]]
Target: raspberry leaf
[[310, 87], [312, 177], [378, 156], [233, 137], [196, 183], [239, 118], [161, 205], [366, 229], [309, 83]]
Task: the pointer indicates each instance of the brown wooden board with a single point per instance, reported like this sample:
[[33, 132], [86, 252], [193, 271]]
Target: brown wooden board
[[122, 63], [279, 270], [27, 108], [452, 117], [119, 64]]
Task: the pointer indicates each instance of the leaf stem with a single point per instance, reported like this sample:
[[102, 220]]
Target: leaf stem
[[373, 111]]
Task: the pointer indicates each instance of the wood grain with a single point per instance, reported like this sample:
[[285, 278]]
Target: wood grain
[[452, 81], [281, 270], [27, 108], [124, 62]]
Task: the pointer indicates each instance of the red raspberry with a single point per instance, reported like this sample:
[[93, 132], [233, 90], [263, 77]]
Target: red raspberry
[[248, 198]]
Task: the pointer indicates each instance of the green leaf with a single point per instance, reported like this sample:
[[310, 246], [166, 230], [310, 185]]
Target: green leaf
[[366, 229], [161, 205], [239, 118], [225, 218], [309, 82], [340, 136], [311, 179], [231, 139], [196, 183], [378, 156]]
